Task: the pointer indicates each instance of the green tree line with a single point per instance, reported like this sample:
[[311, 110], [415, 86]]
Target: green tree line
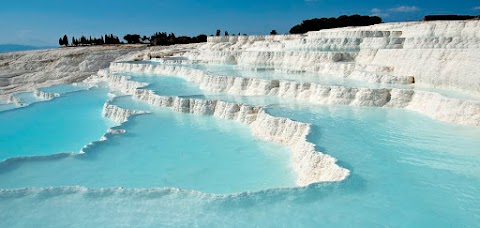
[[84, 41], [317, 24], [160, 38]]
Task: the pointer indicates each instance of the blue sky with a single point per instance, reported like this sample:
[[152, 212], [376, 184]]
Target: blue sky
[[41, 22]]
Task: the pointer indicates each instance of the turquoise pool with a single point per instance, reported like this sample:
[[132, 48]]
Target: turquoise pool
[[176, 169]]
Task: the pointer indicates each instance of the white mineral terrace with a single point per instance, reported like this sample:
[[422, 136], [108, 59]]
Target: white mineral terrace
[[399, 58], [435, 105], [310, 166]]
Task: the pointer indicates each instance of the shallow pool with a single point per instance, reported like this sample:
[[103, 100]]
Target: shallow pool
[[63, 125], [176, 169]]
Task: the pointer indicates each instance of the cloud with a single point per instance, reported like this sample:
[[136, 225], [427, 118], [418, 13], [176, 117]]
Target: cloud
[[379, 13], [404, 9], [476, 8]]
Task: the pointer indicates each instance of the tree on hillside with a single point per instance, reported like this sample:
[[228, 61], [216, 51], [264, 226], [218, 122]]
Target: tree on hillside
[[156, 39], [218, 32], [171, 39], [226, 33], [159, 38], [65, 40], [317, 24], [183, 40], [273, 32], [448, 17], [83, 40], [297, 29], [111, 39], [201, 38], [132, 38]]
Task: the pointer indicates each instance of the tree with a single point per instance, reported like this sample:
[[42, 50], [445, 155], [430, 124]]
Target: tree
[[132, 38], [226, 33], [317, 24], [297, 29], [159, 38], [171, 39], [218, 32], [111, 39], [273, 32], [83, 40], [201, 38], [448, 17], [65, 40]]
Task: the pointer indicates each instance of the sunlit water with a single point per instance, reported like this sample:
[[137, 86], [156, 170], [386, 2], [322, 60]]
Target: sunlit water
[[164, 149], [64, 124], [174, 169]]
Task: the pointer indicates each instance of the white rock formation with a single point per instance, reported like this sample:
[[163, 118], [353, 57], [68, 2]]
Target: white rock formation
[[44, 95], [466, 112], [158, 52], [435, 54], [27, 71], [311, 166], [431, 54], [118, 114], [442, 54], [119, 83]]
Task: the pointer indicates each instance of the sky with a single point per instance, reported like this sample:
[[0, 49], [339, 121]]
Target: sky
[[42, 22]]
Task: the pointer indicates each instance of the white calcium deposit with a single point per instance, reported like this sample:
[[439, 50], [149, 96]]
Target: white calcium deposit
[[118, 114], [397, 58], [310, 166], [29, 70], [437, 106], [432, 54], [442, 54], [44, 95]]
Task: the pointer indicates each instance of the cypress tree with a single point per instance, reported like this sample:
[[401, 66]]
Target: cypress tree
[[65, 40]]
